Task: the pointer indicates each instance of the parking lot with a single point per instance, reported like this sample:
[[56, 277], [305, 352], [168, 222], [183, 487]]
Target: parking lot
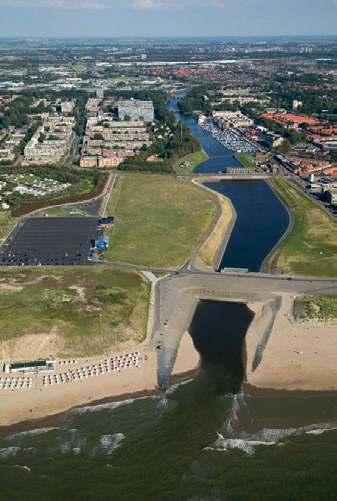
[[49, 241]]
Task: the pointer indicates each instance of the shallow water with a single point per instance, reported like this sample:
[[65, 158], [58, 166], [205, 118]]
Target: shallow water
[[200, 443]]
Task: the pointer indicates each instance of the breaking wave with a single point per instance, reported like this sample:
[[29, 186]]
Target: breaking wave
[[108, 443], [175, 386], [9, 452], [267, 437], [31, 433], [108, 406]]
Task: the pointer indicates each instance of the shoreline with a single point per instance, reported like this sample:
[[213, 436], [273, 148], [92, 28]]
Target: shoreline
[[43, 404]]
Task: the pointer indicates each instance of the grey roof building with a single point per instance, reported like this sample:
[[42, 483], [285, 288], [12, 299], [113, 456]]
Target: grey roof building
[[133, 109]]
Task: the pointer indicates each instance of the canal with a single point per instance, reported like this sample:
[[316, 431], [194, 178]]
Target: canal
[[219, 156], [261, 217]]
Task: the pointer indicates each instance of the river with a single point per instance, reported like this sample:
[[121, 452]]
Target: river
[[206, 439]]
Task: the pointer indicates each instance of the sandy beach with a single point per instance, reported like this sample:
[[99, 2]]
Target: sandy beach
[[292, 356], [41, 401], [297, 356]]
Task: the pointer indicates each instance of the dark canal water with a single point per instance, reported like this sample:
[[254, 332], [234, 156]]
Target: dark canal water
[[261, 221], [219, 156], [218, 331]]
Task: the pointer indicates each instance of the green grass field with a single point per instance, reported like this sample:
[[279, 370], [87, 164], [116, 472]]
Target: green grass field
[[90, 309], [191, 161], [159, 219], [311, 247], [246, 160]]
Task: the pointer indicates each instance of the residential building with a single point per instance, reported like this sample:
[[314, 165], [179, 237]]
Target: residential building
[[134, 110]]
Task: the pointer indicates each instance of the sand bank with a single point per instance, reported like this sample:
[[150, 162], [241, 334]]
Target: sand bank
[[295, 355]]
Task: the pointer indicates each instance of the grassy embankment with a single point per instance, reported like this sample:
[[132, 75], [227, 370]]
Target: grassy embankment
[[311, 246], [80, 311], [159, 219], [209, 251], [322, 308], [7, 223], [191, 161], [247, 160]]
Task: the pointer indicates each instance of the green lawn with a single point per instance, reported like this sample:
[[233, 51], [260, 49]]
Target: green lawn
[[191, 161], [311, 247], [90, 309], [159, 219], [246, 160]]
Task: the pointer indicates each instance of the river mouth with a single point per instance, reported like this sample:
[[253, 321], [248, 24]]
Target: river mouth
[[218, 331]]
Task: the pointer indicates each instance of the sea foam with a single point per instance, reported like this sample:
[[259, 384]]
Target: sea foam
[[107, 406], [31, 433], [266, 437]]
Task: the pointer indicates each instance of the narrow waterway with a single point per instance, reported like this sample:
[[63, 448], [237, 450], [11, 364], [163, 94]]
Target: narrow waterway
[[219, 156]]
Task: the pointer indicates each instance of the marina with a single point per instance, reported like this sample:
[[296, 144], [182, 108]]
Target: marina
[[232, 139]]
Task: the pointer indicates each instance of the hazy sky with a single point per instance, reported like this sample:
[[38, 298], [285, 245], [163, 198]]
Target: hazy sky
[[167, 17]]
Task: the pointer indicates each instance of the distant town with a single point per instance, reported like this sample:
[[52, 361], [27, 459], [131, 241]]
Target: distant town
[[97, 107]]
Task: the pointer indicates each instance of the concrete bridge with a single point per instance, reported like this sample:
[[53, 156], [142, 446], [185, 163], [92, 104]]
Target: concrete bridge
[[178, 295]]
